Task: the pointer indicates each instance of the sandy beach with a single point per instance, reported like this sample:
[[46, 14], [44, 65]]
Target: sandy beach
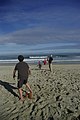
[[56, 95]]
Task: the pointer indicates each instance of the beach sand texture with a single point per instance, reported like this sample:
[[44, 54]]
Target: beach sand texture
[[56, 95]]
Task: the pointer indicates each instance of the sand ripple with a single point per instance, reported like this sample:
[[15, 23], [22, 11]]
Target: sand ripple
[[56, 95]]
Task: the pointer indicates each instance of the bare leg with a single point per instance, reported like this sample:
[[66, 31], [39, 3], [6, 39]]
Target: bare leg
[[49, 66], [20, 93], [27, 85]]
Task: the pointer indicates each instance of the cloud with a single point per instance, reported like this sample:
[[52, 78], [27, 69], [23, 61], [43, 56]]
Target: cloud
[[39, 25], [41, 35]]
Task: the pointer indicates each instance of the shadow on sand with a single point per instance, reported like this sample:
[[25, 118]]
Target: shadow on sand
[[9, 87]]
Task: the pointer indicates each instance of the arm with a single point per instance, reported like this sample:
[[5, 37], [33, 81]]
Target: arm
[[14, 72], [29, 72]]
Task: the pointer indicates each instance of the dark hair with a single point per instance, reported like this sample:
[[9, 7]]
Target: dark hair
[[20, 58]]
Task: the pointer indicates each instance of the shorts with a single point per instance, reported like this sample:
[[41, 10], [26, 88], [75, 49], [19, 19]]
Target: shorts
[[21, 82]]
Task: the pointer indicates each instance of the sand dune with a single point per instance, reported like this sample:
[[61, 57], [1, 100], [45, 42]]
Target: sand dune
[[56, 95]]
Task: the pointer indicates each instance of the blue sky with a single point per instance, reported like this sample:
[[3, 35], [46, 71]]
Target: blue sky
[[39, 26]]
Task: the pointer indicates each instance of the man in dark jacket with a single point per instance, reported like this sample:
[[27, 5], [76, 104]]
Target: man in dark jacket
[[50, 62]]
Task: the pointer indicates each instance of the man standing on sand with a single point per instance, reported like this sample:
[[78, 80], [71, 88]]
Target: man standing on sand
[[50, 59], [23, 73]]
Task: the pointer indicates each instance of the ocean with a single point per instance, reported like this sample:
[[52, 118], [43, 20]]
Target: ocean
[[61, 58]]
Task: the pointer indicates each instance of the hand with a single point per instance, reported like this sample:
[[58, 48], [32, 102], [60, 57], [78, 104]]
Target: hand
[[29, 72], [14, 76]]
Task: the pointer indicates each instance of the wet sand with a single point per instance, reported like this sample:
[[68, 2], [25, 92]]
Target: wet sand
[[56, 95]]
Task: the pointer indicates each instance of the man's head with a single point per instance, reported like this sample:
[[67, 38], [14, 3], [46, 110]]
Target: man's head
[[20, 58], [51, 55]]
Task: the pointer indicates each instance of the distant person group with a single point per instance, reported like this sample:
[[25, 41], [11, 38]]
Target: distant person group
[[40, 63], [49, 60]]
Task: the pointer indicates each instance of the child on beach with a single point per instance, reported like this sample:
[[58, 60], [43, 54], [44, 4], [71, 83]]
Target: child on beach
[[45, 62], [23, 73], [39, 64]]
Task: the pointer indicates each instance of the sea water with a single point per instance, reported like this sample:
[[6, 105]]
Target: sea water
[[57, 58]]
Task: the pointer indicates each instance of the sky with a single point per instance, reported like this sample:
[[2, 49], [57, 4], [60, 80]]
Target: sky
[[39, 26]]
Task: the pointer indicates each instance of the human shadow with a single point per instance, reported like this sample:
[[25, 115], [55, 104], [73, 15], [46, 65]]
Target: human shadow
[[9, 87]]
